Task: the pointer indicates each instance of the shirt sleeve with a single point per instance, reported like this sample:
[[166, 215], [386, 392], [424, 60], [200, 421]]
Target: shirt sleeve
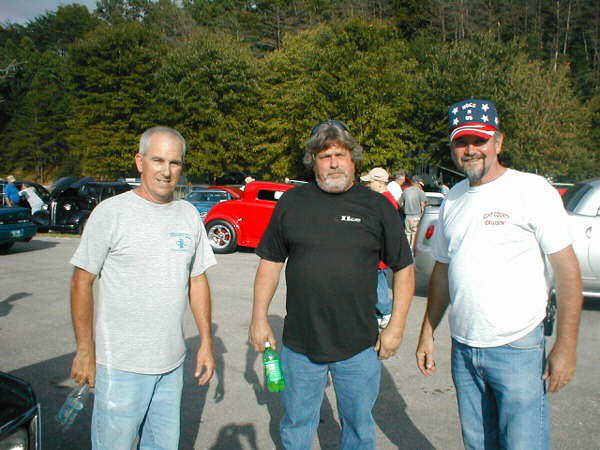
[[396, 251], [272, 245], [95, 241], [548, 218], [439, 244], [204, 256]]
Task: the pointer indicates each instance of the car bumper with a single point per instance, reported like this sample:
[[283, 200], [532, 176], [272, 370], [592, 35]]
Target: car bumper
[[17, 232]]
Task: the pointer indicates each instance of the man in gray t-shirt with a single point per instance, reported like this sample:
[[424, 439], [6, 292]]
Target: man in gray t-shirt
[[413, 202], [150, 254]]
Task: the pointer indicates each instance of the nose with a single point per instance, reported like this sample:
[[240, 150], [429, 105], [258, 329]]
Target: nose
[[166, 170], [334, 163]]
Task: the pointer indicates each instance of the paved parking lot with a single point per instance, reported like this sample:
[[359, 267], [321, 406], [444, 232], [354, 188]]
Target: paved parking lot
[[235, 412]]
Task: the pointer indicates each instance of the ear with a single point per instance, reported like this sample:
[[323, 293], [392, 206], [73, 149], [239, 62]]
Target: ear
[[138, 162], [498, 140]]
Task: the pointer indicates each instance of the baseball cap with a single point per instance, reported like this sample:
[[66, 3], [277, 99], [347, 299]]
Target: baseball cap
[[473, 117], [376, 174]]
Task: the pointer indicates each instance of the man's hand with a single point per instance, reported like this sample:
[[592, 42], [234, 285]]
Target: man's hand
[[425, 360], [205, 364], [388, 343], [83, 369], [260, 332], [560, 367]]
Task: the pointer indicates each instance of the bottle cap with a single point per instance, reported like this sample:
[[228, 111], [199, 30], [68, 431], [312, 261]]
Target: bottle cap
[[267, 344]]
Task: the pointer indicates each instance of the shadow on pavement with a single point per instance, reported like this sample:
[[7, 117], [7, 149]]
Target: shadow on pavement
[[6, 304], [31, 246], [50, 380]]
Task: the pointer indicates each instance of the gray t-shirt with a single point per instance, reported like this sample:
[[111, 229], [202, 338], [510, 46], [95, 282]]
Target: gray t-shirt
[[411, 201], [144, 254]]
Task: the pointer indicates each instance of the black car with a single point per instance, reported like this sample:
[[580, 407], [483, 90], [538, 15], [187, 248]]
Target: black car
[[20, 420], [72, 201]]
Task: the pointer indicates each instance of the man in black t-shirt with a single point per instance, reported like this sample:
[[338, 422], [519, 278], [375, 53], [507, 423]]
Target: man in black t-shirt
[[332, 233]]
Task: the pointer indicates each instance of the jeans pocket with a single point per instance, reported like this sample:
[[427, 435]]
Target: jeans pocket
[[531, 341]]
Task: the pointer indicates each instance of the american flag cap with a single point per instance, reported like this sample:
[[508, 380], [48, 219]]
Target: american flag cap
[[473, 117]]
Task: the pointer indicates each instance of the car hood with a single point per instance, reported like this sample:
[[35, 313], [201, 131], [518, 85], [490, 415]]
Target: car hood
[[64, 183]]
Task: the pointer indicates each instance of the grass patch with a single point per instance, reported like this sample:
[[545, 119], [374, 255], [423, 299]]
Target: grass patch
[[53, 235]]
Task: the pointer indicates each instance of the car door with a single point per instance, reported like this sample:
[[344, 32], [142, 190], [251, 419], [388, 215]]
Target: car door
[[257, 215]]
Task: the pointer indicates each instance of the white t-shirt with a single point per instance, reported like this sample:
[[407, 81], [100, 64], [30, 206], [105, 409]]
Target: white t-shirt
[[494, 238], [144, 254], [32, 198], [395, 189]]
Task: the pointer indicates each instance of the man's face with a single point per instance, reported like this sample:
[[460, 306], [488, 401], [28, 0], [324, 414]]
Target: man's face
[[334, 169], [160, 168], [478, 157]]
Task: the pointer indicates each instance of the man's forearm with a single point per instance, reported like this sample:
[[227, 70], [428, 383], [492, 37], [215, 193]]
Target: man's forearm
[[82, 309], [438, 298], [403, 290], [568, 295], [201, 307], [265, 285]]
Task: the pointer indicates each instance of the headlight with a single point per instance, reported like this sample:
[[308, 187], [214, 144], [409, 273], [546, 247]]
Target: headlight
[[19, 440], [45, 207], [67, 206]]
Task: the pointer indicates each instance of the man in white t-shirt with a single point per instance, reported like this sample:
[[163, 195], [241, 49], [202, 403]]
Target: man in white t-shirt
[[499, 233], [395, 186], [150, 254]]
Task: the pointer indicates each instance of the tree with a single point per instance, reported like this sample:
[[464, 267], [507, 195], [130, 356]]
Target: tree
[[208, 92], [111, 77]]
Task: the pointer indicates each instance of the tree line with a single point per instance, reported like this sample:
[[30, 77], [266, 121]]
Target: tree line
[[244, 81]]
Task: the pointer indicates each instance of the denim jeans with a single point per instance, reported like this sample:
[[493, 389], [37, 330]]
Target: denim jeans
[[384, 302], [501, 394], [356, 383], [129, 405]]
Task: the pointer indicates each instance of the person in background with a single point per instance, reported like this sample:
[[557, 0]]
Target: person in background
[[413, 202], [498, 234], [30, 195], [395, 186], [377, 180], [332, 232], [442, 188], [150, 253], [11, 193]]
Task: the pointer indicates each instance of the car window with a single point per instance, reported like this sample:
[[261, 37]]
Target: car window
[[269, 195], [119, 189], [434, 200], [214, 197], [574, 195]]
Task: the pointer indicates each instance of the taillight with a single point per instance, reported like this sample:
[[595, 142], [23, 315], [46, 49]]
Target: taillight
[[429, 232]]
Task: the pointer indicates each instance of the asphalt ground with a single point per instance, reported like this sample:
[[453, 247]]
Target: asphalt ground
[[235, 411]]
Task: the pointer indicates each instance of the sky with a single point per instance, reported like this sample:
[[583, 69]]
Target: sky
[[22, 11]]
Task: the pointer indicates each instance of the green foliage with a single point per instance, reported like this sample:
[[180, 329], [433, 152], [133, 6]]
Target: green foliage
[[208, 92], [112, 86]]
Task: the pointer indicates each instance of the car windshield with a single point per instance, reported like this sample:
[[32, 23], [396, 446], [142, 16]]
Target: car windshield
[[213, 197], [574, 195]]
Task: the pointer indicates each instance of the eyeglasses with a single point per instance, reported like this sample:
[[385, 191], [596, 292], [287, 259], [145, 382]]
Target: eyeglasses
[[331, 123]]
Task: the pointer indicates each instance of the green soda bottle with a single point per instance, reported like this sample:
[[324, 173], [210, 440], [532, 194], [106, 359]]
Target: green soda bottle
[[273, 373]]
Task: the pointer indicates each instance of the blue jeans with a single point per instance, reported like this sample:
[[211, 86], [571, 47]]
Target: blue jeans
[[384, 303], [501, 394], [129, 405], [356, 383]]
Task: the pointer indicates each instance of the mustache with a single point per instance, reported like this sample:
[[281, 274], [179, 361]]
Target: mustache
[[472, 157]]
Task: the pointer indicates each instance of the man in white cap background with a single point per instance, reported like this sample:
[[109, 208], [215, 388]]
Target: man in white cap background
[[377, 180], [499, 232]]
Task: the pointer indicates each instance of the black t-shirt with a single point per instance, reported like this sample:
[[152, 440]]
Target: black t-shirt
[[333, 243]]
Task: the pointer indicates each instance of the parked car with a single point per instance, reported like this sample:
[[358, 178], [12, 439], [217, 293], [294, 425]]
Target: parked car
[[582, 203], [422, 251], [205, 199], [72, 201], [242, 222], [15, 226], [40, 190], [20, 416]]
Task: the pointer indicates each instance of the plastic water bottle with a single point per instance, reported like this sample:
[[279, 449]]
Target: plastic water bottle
[[72, 406], [273, 373]]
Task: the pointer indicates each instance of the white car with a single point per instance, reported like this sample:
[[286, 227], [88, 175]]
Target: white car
[[582, 203]]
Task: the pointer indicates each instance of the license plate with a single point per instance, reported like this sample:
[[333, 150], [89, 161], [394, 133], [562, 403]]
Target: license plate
[[16, 233]]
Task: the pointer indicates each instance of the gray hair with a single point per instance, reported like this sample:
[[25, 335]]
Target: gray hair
[[326, 136], [145, 138]]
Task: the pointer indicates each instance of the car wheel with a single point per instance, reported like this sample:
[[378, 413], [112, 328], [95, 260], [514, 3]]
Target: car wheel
[[6, 246], [222, 236]]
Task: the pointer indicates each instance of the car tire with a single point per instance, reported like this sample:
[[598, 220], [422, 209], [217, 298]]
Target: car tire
[[222, 236], [5, 247]]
